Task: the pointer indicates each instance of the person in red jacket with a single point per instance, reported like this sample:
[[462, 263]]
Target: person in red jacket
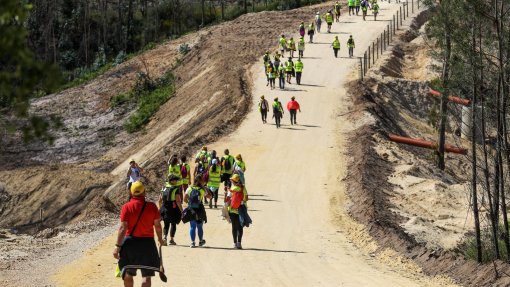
[[293, 107]]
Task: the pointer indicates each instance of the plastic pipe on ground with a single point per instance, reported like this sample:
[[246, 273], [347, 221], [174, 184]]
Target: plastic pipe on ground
[[426, 144]]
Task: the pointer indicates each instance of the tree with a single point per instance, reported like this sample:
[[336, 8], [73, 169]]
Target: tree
[[21, 76]]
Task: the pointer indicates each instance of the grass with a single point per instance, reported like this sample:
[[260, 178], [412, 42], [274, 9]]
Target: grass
[[148, 98], [468, 247]]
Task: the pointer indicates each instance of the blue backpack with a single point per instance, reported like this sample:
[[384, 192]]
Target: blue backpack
[[194, 198]]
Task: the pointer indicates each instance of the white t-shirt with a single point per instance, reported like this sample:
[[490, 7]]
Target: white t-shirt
[[134, 175]]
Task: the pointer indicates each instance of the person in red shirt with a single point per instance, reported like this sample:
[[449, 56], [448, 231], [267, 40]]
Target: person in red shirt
[[293, 107], [135, 247]]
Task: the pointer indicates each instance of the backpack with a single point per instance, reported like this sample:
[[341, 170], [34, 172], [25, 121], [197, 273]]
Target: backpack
[[227, 164], [194, 198], [184, 171]]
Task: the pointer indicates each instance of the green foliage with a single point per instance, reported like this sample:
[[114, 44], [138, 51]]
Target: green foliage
[[120, 58], [84, 76], [468, 247], [184, 49], [147, 95], [21, 76]]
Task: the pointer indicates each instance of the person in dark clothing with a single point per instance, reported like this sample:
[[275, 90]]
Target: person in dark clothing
[[135, 247], [170, 208], [263, 107]]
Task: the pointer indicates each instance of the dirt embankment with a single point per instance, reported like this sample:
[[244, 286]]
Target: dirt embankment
[[212, 97], [405, 202]]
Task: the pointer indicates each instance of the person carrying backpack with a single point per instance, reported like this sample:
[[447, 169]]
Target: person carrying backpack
[[302, 29], [289, 69], [299, 70], [282, 43], [194, 197], [281, 77], [271, 75], [237, 196], [311, 32], [170, 207], [301, 47], [201, 152], [175, 168], [318, 21], [213, 182], [186, 175], [263, 107], [364, 8], [277, 112], [337, 8], [375, 10], [291, 46], [227, 166], [350, 45]]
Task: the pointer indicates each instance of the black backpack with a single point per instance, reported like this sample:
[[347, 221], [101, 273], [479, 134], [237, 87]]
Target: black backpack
[[227, 164]]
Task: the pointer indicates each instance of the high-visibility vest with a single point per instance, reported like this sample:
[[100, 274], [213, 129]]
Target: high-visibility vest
[[288, 66], [214, 177], [283, 43], [350, 43], [175, 170], [281, 71], [301, 44], [336, 44], [375, 7], [357, 2], [299, 66], [292, 45], [329, 18], [350, 3]]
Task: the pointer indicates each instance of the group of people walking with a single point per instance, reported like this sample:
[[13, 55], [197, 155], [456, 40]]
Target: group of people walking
[[181, 199], [209, 173], [292, 106]]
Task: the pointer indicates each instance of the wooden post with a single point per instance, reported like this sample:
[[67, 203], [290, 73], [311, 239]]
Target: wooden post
[[388, 26], [412, 6], [369, 57], [400, 8], [394, 31], [373, 53], [41, 223], [360, 68], [377, 47], [407, 8], [397, 20]]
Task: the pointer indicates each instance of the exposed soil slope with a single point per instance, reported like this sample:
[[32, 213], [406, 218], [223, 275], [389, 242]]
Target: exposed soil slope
[[212, 97]]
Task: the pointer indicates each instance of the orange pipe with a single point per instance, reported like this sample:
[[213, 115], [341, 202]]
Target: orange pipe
[[426, 144], [452, 99]]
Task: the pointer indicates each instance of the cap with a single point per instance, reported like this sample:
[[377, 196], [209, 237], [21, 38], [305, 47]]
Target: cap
[[235, 178], [132, 160], [239, 155], [137, 188]]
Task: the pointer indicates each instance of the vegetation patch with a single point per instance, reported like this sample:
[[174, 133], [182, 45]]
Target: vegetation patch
[[147, 95]]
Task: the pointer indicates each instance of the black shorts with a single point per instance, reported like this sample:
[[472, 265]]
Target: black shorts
[[145, 272], [226, 176]]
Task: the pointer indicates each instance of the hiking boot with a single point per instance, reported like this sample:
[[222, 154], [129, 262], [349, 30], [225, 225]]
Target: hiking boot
[[234, 245], [172, 242], [192, 245], [201, 242], [210, 204], [215, 205], [238, 245]]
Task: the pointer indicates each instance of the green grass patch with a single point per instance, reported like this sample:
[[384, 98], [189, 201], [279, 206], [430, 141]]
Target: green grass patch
[[468, 247], [148, 96]]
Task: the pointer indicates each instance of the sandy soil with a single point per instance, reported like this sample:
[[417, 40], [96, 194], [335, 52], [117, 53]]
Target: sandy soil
[[302, 235]]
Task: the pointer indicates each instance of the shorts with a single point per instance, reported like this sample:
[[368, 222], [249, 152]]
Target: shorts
[[145, 272]]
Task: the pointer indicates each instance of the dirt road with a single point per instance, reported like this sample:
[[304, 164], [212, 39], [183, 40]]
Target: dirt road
[[299, 236]]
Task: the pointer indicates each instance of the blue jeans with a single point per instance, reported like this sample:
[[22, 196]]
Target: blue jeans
[[192, 231]]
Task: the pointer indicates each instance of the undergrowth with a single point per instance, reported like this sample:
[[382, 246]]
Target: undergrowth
[[468, 247], [148, 96]]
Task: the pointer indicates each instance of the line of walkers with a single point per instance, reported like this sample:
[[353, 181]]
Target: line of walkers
[[292, 106], [209, 173]]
